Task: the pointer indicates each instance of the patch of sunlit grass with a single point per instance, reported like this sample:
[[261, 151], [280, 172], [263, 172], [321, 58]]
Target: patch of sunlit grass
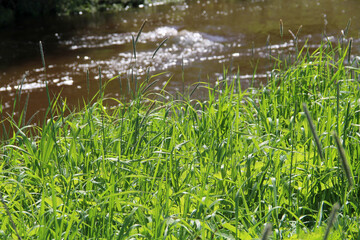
[[220, 168]]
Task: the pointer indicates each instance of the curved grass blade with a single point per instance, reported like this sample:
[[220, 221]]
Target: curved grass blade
[[149, 85], [157, 49], [196, 87]]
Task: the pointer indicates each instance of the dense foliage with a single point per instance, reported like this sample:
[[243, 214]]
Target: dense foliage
[[189, 169]]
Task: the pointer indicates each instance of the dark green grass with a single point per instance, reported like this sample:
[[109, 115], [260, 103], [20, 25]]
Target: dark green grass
[[215, 169]]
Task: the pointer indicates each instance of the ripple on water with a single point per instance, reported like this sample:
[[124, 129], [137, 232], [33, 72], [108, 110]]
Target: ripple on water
[[182, 45]]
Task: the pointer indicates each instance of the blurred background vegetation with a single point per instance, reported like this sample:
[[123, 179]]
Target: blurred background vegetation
[[10, 10]]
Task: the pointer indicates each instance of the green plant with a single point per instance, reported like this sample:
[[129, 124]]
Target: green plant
[[188, 169]]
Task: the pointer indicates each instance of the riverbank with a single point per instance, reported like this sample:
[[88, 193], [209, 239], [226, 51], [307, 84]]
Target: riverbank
[[178, 168], [12, 10]]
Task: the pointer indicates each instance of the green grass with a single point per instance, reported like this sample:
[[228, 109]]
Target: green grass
[[220, 168]]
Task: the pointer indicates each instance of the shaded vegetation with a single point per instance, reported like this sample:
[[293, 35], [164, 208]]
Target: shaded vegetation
[[11, 9]]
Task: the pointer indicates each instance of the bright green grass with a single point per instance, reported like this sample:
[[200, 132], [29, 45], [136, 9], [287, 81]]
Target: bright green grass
[[214, 169]]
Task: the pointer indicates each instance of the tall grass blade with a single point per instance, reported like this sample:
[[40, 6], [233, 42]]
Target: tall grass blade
[[32, 117], [21, 86], [337, 106], [134, 46], [25, 108], [183, 77], [44, 66], [128, 85], [17, 96], [42, 56], [134, 41], [120, 83], [293, 143], [46, 82], [252, 50], [2, 120], [87, 81], [100, 84], [254, 73], [140, 31], [349, 50], [196, 87], [268, 45], [346, 123]]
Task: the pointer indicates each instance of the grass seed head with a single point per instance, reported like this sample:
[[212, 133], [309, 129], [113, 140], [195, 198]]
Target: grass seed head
[[344, 161]]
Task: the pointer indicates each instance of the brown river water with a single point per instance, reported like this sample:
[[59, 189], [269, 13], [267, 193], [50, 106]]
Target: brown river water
[[203, 37]]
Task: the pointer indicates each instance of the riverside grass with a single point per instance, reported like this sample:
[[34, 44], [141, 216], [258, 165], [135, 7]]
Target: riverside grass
[[221, 168]]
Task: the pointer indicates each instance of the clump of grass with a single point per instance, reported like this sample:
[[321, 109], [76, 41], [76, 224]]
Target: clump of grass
[[188, 169]]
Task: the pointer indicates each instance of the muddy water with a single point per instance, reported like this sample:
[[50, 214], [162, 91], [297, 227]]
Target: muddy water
[[203, 37]]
